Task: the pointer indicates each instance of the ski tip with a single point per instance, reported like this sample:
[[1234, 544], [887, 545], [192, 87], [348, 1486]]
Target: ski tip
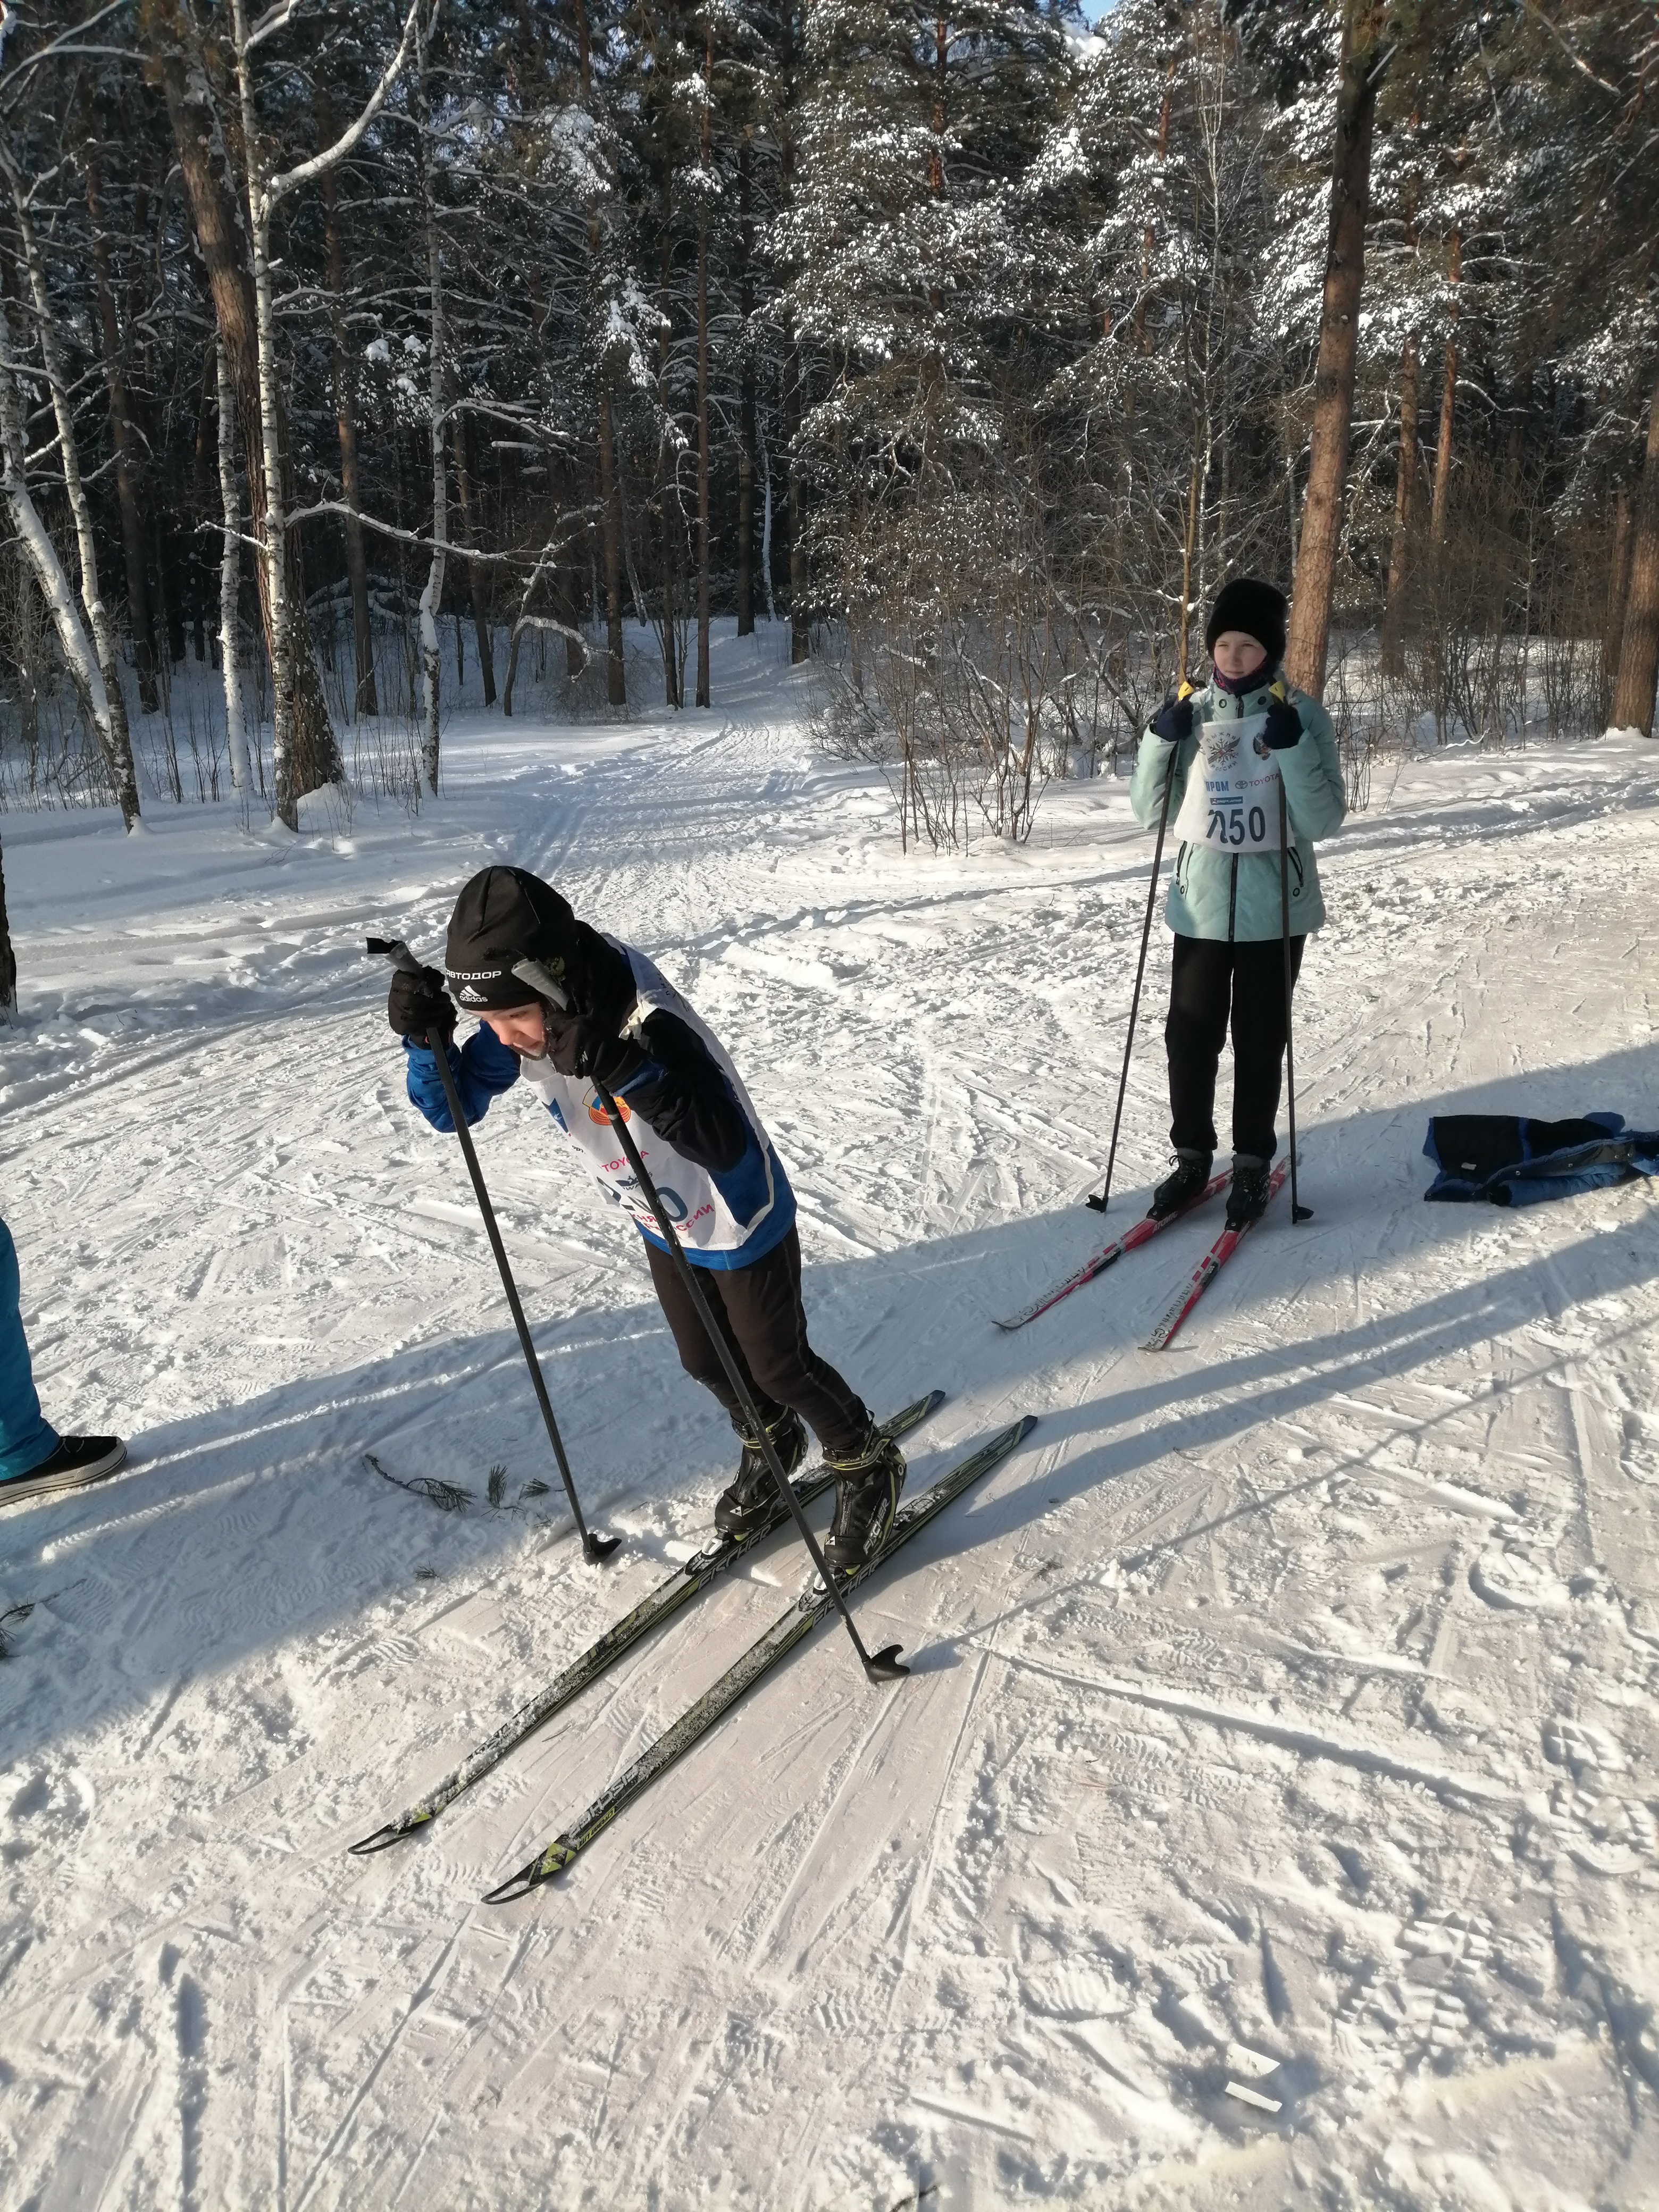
[[596, 1550], [541, 1868], [382, 1840], [932, 1402], [1023, 1427], [884, 1666]]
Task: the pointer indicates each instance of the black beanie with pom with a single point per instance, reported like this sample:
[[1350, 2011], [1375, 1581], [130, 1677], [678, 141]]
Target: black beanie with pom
[[1257, 608]]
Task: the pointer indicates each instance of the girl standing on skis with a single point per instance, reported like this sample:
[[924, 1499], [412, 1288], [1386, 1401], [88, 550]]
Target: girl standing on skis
[[1221, 754]]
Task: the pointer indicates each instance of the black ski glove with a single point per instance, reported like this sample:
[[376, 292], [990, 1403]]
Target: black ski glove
[[586, 1045], [418, 1004], [1172, 722], [1283, 727]]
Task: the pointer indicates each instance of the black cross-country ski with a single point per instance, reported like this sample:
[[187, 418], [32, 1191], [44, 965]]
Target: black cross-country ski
[[1208, 1269], [785, 1633], [1133, 1238], [681, 1587]]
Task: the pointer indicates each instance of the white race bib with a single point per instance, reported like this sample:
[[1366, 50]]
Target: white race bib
[[1232, 802]]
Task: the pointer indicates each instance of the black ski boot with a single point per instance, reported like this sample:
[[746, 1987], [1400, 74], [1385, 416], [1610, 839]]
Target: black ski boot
[[1178, 1191], [1247, 1194], [868, 1481], [747, 1503]]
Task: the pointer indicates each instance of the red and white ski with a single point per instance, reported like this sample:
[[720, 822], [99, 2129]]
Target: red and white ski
[[1208, 1269], [1132, 1237]]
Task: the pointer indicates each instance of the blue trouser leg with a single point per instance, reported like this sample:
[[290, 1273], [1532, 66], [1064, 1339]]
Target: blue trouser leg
[[25, 1438]]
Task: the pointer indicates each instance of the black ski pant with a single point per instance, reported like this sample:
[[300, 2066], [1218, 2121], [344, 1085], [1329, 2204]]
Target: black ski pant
[[760, 1314], [1210, 980]]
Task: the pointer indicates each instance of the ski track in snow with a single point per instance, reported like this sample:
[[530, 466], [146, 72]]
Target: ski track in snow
[[1283, 1713]]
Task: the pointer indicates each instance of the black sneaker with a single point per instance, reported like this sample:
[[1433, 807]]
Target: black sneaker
[[77, 1461], [746, 1503], [868, 1481], [1176, 1192], [1247, 1194]]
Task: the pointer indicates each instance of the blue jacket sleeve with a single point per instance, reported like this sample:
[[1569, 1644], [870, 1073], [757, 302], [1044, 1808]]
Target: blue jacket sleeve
[[483, 1068], [1312, 769], [1155, 763]]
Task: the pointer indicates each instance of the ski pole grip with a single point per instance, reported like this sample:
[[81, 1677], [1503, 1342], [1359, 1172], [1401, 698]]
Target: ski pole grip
[[394, 949]]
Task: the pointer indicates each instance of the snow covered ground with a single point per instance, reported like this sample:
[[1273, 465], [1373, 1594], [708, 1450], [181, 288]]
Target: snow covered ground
[[1283, 1715]]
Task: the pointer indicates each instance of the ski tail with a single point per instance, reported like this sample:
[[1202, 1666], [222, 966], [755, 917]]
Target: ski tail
[[660, 1605], [785, 1633], [1208, 1269], [1139, 1233]]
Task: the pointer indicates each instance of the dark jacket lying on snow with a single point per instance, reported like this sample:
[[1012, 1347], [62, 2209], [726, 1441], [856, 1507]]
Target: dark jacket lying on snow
[[1512, 1161]]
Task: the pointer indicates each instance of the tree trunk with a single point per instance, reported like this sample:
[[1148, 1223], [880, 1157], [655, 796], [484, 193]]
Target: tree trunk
[[1182, 641], [1309, 643], [1405, 501], [124, 443], [703, 380], [800, 644], [7, 957], [1612, 633], [230, 579], [220, 237], [615, 686], [670, 515], [1443, 451], [746, 393], [431, 597], [113, 726], [477, 575], [365, 699], [42, 558], [1638, 651]]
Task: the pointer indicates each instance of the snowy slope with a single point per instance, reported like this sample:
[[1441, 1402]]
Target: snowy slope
[[1287, 1703]]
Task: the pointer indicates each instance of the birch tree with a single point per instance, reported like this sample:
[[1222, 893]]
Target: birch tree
[[431, 597], [230, 576], [80, 655], [113, 726]]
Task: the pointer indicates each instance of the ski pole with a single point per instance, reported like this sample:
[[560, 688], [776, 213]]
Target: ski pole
[[595, 1549], [883, 1665], [1099, 1204], [1297, 1212]]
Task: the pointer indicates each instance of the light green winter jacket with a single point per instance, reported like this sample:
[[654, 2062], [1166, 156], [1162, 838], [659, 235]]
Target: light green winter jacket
[[1236, 895]]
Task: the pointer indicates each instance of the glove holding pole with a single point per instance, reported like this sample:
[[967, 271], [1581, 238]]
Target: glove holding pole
[[419, 1000], [1173, 723], [883, 1665]]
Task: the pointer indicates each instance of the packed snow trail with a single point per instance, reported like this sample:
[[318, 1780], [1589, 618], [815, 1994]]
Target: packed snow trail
[[1283, 1716]]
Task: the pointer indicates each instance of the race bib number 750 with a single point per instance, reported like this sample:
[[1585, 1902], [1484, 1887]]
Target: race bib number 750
[[1231, 802]]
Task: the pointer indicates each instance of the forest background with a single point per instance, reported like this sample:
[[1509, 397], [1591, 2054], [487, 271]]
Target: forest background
[[348, 343]]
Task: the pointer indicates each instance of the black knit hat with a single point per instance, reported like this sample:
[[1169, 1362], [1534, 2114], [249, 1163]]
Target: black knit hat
[[1256, 608], [502, 915]]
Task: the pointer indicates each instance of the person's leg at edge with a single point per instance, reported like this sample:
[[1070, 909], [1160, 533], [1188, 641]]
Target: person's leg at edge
[[26, 1439], [1258, 1028]]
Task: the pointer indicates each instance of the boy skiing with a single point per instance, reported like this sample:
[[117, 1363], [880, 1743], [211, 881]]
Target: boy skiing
[[719, 1177], [1222, 753]]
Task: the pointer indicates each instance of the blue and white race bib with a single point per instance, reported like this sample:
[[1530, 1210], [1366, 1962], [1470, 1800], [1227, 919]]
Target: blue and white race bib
[[1232, 802]]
